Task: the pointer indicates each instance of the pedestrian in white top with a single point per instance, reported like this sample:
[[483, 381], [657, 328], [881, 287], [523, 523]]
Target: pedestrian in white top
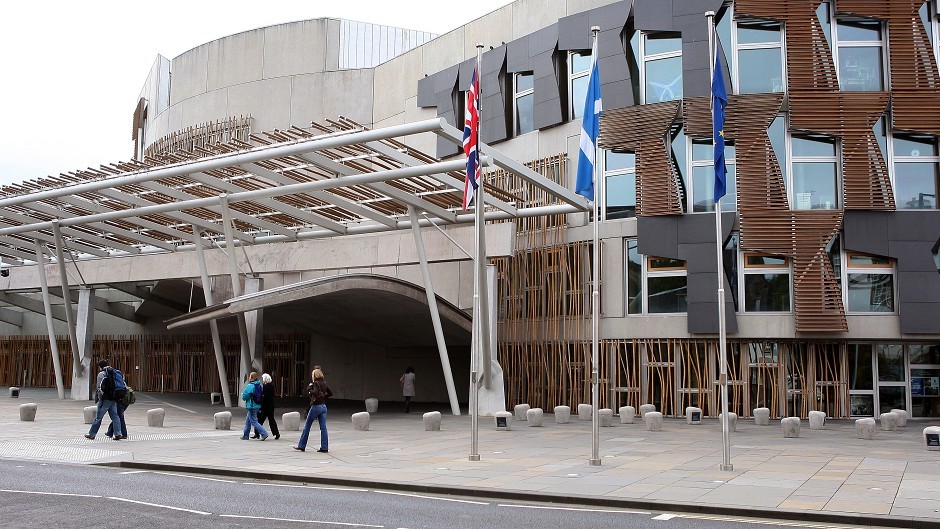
[[408, 387]]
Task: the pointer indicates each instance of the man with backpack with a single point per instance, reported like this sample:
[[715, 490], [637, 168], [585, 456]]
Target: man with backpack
[[105, 396], [252, 397], [129, 398]]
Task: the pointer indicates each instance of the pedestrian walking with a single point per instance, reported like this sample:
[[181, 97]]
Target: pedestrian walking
[[408, 387], [129, 398], [267, 406], [318, 392], [252, 395], [106, 404]]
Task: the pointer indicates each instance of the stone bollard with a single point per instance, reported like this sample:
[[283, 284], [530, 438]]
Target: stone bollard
[[155, 417], [817, 420], [889, 421], [791, 427], [291, 421], [653, 420], [562, 414], [732, 421], [902, 417], [865, 428], [90, 412], [215, 398], [372, 405], [534, 416], [605, 417], [503, 420], [519, 411], [627, 414], [693, 415], [432, 421], [14, 392], [28, 412], [646, 408], [762, 416], [585, 412], [932, 437], [360, 421], [223, 420]]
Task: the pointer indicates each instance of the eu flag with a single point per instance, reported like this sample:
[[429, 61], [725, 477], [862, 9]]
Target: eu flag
[[719, 102]]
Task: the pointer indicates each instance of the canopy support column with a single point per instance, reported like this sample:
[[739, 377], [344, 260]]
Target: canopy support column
[[80, 375], [246, 363], [213, 325], [85, 328], [47, 306], [435, 315]]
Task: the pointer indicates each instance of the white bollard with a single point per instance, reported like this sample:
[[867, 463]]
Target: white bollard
[[932, 438], [646, 408], [534, 416], [155, 417], [90, 412], [902, 417], [562, 414], [28, 412], [432, 421], [762, 416], [653, 420], [215, 398], [519, 411], [372, 405], [605, 417], [360, 421], [790, 426], [627, 414], [291, 421], [732, 421], [223, 420], [693, 415], [14, 392], [585, 412], [503, 420], [889, 421], [817, 420], [865, 428]]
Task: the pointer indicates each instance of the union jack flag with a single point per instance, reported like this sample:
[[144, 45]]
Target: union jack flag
[[471, 128]]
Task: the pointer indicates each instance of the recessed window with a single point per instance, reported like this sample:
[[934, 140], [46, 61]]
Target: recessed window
[[870, 281], [579, 69], [814, 173], [620, 177], [759, 58], [702, 196], [916, 164], [766, 283], [663, 280], [661, 67], [859, 53], [524, 99]]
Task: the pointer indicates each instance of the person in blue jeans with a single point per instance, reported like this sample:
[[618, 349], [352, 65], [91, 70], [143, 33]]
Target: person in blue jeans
[[251, 418], [106, 404], [318, 392]]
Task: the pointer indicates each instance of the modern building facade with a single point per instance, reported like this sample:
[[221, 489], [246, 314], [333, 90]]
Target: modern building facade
[[831, 225]]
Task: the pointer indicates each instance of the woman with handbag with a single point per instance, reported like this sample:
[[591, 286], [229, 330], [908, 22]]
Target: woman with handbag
[[318, 392]]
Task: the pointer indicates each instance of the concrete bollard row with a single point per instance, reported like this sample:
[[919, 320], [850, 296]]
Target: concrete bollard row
[[627, 414], [28, 412], [902, 417], [790, 426], [693, 415], [534, 416], [562, 414], [889, 421], [646, 408], [817, 420], [432, 421], [519, 411], [503, 420], [155, 417], [761, 416], [865, 428], [360, 421], [223, 420], [291, 421], [90, 412], [14, 392], [732, 421], [585, 412], [605, 417], [653, 421], [372, 405]]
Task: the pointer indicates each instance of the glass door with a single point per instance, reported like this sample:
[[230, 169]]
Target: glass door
[[892, 378], [925, 380]]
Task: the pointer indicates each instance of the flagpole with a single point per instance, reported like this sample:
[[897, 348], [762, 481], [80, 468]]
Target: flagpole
[[481, 347], [719, 240], [595, 294]]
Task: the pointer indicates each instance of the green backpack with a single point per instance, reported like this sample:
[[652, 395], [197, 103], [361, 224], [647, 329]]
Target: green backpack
[[129, 397]]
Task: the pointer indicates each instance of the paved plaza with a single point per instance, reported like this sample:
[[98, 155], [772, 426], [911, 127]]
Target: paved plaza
[[824, 475]]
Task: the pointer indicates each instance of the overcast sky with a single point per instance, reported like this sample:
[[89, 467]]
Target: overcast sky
[[72, 70]]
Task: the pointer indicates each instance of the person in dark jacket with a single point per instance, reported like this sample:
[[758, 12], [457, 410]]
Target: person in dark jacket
[[318, 392], [267, 406], [252, 407]]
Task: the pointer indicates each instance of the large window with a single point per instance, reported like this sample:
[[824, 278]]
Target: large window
[[858, 53], [814, 173], [759, 66], [766, 283], [524, 102], [870, 280], [702, 196], [661, 67], [916, 163], [655, 285], [620, 176], [579, 66]]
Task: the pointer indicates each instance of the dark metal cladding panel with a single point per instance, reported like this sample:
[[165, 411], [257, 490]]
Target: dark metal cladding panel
[[517, 55], [914, 257], [703, 318], [702, 288], [911, 287], [658, 236], [866, 231], [574, 32], [543, 40], [494, 122], [426, 92], [653, 15], [920, 318], [910, 225], [701, 257]]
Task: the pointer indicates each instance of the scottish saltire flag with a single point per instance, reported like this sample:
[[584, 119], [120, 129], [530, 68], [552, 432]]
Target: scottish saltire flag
[[471, 129], [719, 102], [590, 127]]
